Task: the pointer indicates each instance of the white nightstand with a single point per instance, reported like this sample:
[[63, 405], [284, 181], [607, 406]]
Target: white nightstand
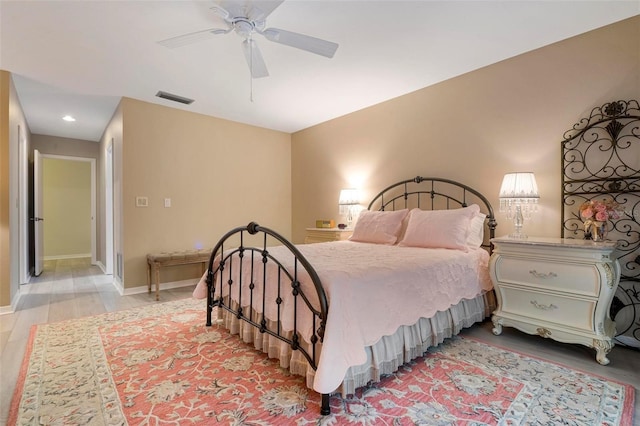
[[323, 235], [556, 288]]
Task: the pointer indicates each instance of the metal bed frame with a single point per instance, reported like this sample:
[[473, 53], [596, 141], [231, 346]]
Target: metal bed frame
[[601, 159], [426, 193]]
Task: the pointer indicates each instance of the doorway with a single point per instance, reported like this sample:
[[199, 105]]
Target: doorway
[[68, 191]]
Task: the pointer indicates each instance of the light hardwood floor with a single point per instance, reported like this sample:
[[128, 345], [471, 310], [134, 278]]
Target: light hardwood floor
[[73, 288]]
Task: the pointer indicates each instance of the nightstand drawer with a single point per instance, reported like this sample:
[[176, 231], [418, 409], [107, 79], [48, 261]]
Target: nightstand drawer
[[568, 312], [557, 276]]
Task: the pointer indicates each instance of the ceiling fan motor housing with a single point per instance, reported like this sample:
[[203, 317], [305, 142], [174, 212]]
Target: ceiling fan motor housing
[[244, 27]]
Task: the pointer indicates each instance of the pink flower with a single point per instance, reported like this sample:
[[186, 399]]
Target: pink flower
[[599, 210], [602, 216], [587, 213]]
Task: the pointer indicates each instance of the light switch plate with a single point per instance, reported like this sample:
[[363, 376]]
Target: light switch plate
[[142, 201], [167, 202]]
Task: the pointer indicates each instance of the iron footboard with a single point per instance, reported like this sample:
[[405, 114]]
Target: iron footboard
[[243, 269]]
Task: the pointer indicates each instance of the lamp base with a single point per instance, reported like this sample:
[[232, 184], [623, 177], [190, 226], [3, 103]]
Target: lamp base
[[518, 221], [518, 236]]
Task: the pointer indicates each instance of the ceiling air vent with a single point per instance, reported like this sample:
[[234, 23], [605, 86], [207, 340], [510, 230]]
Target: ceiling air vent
[[175, 98]]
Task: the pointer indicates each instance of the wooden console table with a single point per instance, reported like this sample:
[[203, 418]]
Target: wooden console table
[[157, 261]]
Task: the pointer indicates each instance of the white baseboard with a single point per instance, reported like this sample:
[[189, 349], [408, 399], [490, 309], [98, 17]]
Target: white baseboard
[[14, 304], [118, 285], [163, 286]]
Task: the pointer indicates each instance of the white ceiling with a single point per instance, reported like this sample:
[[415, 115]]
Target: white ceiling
[[81, 57]]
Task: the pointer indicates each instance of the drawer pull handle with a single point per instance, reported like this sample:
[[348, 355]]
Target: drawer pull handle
[[543, 307], [542, 275]]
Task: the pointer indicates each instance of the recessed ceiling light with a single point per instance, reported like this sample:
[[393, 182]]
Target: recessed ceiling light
[[68, 118]]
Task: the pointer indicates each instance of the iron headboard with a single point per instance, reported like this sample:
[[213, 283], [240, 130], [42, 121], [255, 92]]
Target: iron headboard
[[601, 160], [429, 193]]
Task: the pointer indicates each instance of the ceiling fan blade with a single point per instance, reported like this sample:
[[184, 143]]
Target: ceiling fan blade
[[183, 40], [301, 41], [254, 10], [254, 59], [223, 13]]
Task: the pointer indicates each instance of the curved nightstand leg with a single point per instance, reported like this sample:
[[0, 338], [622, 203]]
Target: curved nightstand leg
[[602, 348], [497, 325]]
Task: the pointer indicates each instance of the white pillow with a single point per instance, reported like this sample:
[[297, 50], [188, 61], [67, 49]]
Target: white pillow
[[476, 231], [439, 228], [378, 227]]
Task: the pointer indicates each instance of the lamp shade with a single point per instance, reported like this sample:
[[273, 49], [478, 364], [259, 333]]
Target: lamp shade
[[519, 186], [349, 197]]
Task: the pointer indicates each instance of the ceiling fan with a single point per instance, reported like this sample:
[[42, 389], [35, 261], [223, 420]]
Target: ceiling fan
[[246, 18]]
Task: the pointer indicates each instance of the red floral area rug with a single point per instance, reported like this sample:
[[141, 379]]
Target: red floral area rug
[[159, 365]]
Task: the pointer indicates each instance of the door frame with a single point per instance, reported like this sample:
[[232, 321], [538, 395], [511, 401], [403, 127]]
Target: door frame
[[23, 207], [93, 195], [108, 217], [38, 234]]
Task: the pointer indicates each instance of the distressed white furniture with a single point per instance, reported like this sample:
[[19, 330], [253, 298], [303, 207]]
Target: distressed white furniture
[[556, 288], [157, 261], [323, 235]]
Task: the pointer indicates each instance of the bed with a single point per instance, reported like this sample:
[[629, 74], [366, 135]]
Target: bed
[[343, 314]]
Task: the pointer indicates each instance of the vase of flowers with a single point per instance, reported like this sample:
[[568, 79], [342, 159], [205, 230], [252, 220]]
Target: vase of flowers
[[595, 214]]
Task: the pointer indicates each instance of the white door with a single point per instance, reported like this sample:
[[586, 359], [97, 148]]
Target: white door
[[37, 212]]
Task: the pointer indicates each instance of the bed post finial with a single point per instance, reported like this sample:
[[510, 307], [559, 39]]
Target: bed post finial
[[418, 179], [252, 228]]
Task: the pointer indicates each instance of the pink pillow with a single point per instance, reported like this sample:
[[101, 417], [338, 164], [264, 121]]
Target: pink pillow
[[378, 227], [439, 228]]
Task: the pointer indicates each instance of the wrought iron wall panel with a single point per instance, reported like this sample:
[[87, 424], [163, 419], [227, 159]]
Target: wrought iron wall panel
[[601, 160]]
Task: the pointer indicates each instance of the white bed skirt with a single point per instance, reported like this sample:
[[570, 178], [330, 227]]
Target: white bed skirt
[[384, 357]]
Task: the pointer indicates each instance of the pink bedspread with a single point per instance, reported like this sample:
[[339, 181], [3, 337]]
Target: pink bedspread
[[374, 289]]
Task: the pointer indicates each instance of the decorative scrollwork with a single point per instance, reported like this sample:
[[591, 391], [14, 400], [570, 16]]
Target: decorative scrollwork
[[609, 273], [543, 332], [601, 159]]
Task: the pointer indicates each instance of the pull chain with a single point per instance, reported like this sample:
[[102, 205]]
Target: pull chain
[[251, 70]]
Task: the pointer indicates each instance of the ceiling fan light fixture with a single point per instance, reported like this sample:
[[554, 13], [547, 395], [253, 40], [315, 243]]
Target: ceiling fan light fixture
[[69, 118]]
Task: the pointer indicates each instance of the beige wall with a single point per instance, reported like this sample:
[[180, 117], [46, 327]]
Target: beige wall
[[66, 208], [506, 117], [218, 174], [55, 145]]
